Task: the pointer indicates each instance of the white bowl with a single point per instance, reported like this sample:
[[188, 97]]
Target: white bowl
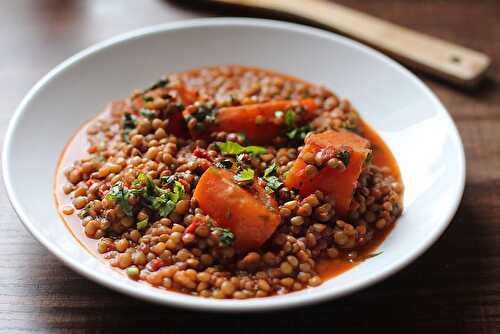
[[405, 112]]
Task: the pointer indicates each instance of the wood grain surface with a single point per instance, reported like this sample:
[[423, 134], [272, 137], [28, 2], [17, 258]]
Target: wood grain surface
[[454, 287]]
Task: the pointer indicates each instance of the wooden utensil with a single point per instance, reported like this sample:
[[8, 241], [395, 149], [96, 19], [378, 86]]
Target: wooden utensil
[[446, 60]]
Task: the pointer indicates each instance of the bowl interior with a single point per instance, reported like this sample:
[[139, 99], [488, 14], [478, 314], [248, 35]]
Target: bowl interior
[[407, 115]]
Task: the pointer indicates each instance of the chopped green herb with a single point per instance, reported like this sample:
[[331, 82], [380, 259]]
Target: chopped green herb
[[148, 98], [161, 200], [148, 113], [179, 106], [366, 257], [129, 123], [298, 134], [245, 175], [120, 195], [199, 127], [177, 192], [291, 119], [158, 199], [269, 170], [160, 83], [163, 205], [369, 158], [144, 180], [227, 164], [273, 182], [344, 156], [255, 149], [203, 115], [232, 148], [294, 132], [84, 212], [226, 237], [168, 180], [142, 224]]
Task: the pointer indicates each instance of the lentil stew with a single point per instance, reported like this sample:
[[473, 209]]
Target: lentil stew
[[229, 182]]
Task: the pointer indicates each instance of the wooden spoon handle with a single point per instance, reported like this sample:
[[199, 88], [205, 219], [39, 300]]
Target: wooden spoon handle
[[449, 61]]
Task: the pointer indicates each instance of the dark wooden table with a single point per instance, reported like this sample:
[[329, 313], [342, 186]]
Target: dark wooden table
[[454, 287]]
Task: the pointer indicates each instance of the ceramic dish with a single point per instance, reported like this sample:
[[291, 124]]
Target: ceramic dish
[[408, 116]]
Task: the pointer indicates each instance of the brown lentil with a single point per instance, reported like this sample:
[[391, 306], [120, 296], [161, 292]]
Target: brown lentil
[[168, 252]]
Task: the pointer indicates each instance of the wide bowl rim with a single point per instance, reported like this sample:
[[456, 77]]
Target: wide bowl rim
[[191, 302]]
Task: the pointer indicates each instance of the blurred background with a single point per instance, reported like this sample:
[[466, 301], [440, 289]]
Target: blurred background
[[455, 286]]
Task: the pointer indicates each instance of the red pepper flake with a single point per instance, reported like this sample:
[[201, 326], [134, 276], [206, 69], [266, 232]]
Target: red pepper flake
[[202, 153], [155, 264], [92, 149], [110, 246], [90, 182], [103, 189], [194, 224]]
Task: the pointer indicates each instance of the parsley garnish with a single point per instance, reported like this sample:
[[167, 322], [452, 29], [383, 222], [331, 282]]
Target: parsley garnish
[[366, 257], [156, 198], [273, 182], [245, 175], [269, 170], [177, 191], [160, 83], [227, 164], [232, 148], [129, 124], [163, 205], [142, 224], [343, 156], [369, 158], [298, 134], [148, 98], [120, 195], [149, 114], [291, 119], [226, 237], [203, 114], [168, 180], [294, 132], [84, 212]]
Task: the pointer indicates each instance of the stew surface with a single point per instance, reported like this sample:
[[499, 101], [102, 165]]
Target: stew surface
[[229, 182]]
